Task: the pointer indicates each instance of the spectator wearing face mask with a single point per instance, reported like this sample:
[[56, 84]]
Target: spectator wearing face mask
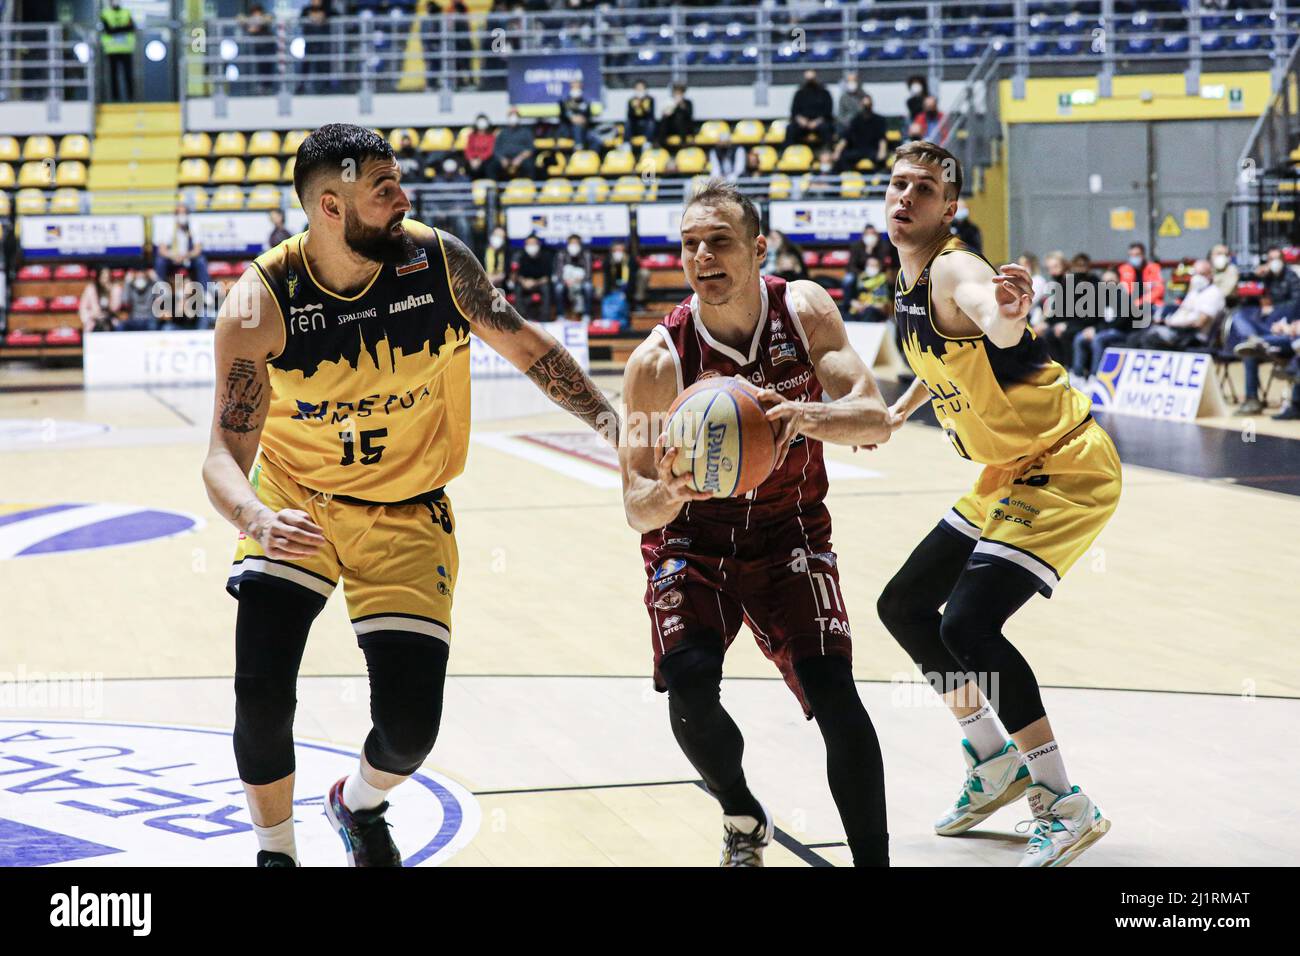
[[141, 302], [870, 244], [409, 160], [864, 138], [1281, 344], [101, 300], [847, 106], [928, 123], [640, 122], [619, 273], [1192, 323], [964, 229], [873, 296], [822, 184], [775, 242], [1225, 271], [575, 118], [480, 147], [496, 258], [918, 88], [725, 160], [1255, 331], [513, 148], [677, 124], [183, 251], [1142, 280], [573, 273], [812, 113], [278, 231], [532, 281]]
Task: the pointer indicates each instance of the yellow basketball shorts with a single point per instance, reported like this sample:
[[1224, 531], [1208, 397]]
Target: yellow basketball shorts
[[1043, 515], [398, 563]]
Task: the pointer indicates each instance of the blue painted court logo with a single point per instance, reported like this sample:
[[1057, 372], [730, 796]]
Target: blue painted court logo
[[32, 529], [113, 794], [1106, 381]]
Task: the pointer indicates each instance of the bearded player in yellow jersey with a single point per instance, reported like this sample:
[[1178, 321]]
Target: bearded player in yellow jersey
[[343, 368], [1051, 481]]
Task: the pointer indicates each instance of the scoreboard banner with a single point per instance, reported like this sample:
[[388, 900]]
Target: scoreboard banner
[[1155, 384], [829, 221], [546, 79], [227, 233], [597, 225], [81, 237], [659, 224]]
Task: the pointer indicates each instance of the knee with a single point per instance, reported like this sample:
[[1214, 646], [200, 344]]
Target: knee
[[964, 632], [898, 608], [692, 671], [400, 746], [827, 682], [264, 706]]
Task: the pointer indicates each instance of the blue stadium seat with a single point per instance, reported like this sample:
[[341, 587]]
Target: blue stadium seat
[[1175, 43], [749, 55], [648, 57], [823, 52], [906, 28], [870, 30], [1244, 42]]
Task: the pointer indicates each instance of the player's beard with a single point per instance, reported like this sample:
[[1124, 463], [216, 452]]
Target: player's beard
[[378, 244]]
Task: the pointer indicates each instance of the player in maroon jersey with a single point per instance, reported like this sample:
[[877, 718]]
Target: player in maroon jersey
[[764, 558]]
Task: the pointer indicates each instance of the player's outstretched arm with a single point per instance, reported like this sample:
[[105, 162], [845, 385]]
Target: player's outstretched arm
[[248, 331], [528, 348], [652, 494], [997, 302], [856, 414]]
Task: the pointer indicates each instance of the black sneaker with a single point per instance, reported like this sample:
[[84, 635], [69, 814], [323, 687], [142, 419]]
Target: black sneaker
[[270, 858], [364, 832], [1290, 413]]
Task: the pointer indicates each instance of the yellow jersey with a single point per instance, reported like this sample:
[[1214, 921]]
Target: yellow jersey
[[370, 396], [998, 406]]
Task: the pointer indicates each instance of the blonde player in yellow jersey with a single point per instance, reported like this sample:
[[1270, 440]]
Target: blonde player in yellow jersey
[[344, 354], [1050, 483]]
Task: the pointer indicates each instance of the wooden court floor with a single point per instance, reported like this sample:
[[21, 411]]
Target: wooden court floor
[[1168, 654]]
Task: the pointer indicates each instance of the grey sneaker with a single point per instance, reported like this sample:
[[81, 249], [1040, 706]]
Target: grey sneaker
[[743, 839], [1251, 406]]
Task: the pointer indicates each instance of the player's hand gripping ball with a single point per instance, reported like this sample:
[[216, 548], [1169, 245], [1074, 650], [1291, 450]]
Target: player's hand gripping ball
[[725, 440]]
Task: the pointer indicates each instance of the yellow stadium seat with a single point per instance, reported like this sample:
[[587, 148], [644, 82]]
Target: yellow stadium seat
[[437, 140], [395, 137], [778, 187], [711, 132], [591, 189], [614, 140], [865, 165], [10, 152], [4, 204], [7, 177], [227, 198], [797, 158], [556, 190], [29, 202], [747, 133], [519, 191], [1294, 155], [229, 169], [38, 147], [585, 162], [563, 142], [852, 185], [292, 140], [462, 138], [673, 141], [265, 142], [627, 189], [478, 190], [653, 161], [264, 196], [691, 160], [65, 202], [194, 198], [543, 142], [287, 174], [552, 163], [893, 136], [196, 145], [775, 134], [766, 158], [264, 169], [194, 172], [618, 162], [74, 146], [231, 143], [37, 175], [70, 172], [1286, 187]]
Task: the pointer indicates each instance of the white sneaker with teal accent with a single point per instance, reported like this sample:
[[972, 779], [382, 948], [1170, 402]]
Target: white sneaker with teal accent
[[743, 839], [990, 785], [1064, 825]]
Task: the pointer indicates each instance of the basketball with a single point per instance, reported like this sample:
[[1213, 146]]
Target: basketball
[[727, 443]]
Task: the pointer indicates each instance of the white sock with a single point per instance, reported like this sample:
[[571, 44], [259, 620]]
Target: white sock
[[1047, 767], [278, 838], [984, 732], [359, 795]]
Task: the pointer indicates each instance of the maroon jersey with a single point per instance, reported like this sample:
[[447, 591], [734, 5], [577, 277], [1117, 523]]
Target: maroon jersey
[[778, 359]]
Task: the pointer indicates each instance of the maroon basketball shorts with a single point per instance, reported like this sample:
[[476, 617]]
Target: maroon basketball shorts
[[779, 577]]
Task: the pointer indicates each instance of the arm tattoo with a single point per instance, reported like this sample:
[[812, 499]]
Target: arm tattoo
[[480, 300], [564, 382], [243, 398]]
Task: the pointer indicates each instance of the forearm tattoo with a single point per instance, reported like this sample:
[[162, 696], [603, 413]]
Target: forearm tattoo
[[477, 297], [243, 398], [565, 383]]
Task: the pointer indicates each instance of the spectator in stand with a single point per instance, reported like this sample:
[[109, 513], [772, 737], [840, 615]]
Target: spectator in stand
[[142, 303], [1225, 271], [532, 278], [514, 148], [621, 272], [1252, 328], [575, 118], [259, 31], [871, 244], [864, 138], [848, 104], [410, 161], [753, 165], [1051, 325], [101, 300], [183, 251], [1115, 316], [725, 160], [928, 123], [1282, 343], [117, 42], [640, 115], [278, 231], [918, 88], [496, 258], [822, 184], [677, 125], [1193, 322], [1142, 280], [1039, 284], [480, 148], [574, 289], [317, 58], [812, 113], [873, 296], [775, 241], [454, 217], [458, 15], [964, 229]]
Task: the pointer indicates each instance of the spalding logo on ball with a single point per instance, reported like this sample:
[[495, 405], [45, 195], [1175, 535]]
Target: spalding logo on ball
[[726, 442]]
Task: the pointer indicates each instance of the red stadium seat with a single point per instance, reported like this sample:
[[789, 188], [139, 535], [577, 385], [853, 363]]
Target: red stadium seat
[[836, 293], [1249, 289], [1291, 254], [220, 269], [244, 267], [35, 273], [118, 273], [64, 336], [21, 338], [63, 303], [28, 303], [661, 260], [71, 270], [835, 257], [600, 327], [811, 259]]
